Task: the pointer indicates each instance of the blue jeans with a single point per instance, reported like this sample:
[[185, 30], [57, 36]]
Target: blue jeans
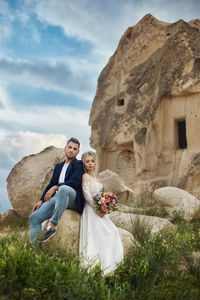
[[53, 209]]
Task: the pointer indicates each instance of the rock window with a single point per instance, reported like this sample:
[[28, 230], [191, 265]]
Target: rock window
[[120, 102], [181, 130]]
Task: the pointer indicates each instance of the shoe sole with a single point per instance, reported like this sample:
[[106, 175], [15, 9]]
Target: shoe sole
[[49, 237]]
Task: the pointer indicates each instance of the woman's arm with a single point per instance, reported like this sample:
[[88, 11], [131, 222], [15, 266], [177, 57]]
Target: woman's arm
[[87, 194]]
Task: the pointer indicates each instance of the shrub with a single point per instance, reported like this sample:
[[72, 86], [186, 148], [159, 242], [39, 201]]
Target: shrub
[[162, 267]]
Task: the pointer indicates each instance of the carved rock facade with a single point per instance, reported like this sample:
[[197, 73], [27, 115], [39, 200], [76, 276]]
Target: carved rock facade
[[146, 113]]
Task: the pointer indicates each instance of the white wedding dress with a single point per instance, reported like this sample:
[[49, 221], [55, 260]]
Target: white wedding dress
[[100, 240]]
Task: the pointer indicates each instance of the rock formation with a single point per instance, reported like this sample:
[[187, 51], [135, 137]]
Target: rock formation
[[115, 183], [146, 112], [67, 235], [128, 221], [176, 200], [29, 177]]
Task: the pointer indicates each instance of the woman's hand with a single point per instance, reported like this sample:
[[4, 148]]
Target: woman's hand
[[100, 214]]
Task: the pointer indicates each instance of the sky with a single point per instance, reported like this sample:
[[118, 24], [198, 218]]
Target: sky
[[51, 55]]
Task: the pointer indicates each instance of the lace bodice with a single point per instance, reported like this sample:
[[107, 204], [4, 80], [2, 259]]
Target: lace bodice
[[90, 189]]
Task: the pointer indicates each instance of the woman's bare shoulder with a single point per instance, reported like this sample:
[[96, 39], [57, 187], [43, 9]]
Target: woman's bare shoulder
[[86, 177]]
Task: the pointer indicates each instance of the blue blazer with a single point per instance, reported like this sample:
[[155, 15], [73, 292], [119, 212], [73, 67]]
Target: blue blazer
[[73, 178]]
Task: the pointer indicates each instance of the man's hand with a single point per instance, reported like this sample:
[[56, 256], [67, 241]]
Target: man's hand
[[37, 205], [50, 193]]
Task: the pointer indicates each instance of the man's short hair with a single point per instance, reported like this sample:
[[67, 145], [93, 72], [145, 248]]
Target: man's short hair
[[74, 140]]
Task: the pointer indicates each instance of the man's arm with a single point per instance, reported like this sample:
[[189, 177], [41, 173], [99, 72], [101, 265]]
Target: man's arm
[[50, 193], [47, 197], [49, 186]]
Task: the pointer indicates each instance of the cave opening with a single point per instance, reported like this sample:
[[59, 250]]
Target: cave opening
[[182, 139]]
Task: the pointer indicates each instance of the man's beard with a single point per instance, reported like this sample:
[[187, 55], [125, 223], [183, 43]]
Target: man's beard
[[70, 158]]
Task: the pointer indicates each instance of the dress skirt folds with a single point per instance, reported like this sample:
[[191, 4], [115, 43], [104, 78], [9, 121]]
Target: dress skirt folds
[[100, 240]]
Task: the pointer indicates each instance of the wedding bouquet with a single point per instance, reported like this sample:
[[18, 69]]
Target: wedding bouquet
[[106, 202]]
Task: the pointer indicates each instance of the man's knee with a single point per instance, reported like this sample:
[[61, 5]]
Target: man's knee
[[64, 190], [33, 218]]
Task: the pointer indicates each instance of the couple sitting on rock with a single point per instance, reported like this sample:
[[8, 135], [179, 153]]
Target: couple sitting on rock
[[74, 181]]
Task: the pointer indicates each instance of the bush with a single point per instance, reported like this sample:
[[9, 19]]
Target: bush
[[26, 273], [162, 267]]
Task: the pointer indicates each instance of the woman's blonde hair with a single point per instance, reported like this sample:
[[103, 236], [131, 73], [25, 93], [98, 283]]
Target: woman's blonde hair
[[94, 156]]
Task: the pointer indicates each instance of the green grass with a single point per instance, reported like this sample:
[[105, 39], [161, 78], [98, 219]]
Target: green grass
[[160, 268], [145, 205]]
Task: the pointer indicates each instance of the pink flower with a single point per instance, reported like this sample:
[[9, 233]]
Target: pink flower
[[106, 202]]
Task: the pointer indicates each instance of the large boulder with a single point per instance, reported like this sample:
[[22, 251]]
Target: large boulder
[[128, 221], [113, 182], [175, 199], [29, 177], [128, 240], [68, 232]]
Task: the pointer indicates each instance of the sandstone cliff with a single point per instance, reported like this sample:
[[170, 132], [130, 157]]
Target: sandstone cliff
[[146, 111]]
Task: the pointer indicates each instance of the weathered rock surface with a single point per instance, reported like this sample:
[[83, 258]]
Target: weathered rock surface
[[127, 221], [175, 199], [128, 240], [67, 235], [146, 111], [29, 177], [115, 183]]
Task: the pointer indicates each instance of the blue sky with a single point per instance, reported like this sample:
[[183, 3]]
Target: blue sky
[[51, 54]]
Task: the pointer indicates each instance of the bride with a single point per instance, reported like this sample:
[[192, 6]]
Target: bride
[[100, 241]]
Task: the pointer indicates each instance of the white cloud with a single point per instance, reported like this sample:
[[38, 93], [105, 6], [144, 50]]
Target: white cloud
[[5, 10], [167, 11], [22, 143], [104, 22], [5, 32], [100, 22], [41, 123], [4, 99], [62, 120], [17, 145], [6, 18], [53, 74], [23, 15], [36, 35]]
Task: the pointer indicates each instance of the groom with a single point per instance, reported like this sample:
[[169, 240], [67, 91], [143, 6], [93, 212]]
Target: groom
[[64, 191]]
